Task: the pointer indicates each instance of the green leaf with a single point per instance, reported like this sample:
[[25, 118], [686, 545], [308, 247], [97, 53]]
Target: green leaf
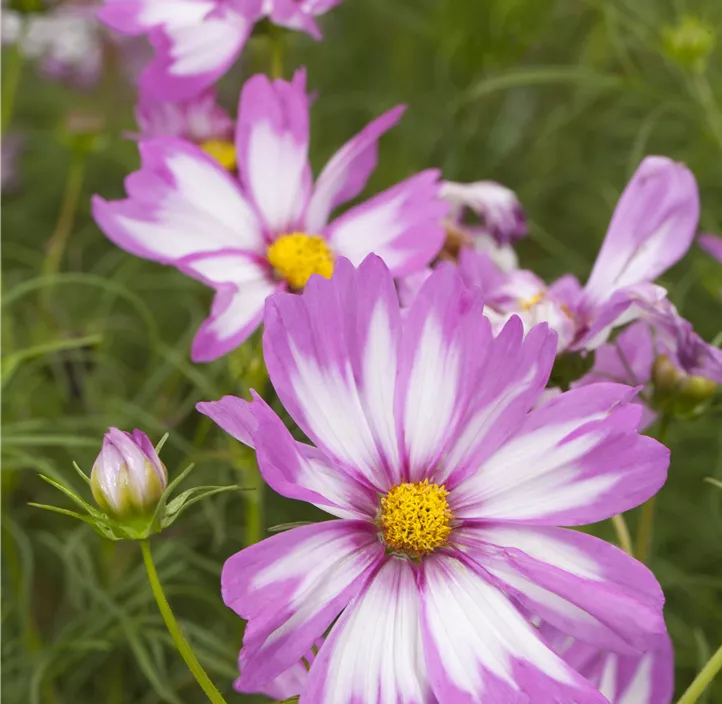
[[85, 477], [287, 526], [73, 496], [190, 497], [713, 482]]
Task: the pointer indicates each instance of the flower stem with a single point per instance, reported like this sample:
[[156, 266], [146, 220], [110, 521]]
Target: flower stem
[[704, 678], [11, 81], [645, 530], [623, 536], [174, 629], [276, 69], [69, 206]]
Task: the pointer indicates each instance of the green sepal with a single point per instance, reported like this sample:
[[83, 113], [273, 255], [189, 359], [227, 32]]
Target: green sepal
[[288, 526], [138, 527]]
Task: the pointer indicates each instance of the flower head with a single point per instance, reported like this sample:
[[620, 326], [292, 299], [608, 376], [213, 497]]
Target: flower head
[[197, 41], [449, 485], [128, 477], [268, 230]]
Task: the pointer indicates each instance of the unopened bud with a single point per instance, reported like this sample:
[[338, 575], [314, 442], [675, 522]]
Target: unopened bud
[[689, 43], [666, 375], [697, 390], [128, 477]]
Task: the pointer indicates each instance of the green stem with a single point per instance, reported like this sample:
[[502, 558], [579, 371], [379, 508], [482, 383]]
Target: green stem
[[277, 56], [703, 679], [645, 530], [11, 81], [68, 208], [174, 629], [625, 539], [707, 100]]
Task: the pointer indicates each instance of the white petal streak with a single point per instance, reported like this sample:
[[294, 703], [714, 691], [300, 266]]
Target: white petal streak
[[374, 653], [380, 359], [433, 384], [475, 630]]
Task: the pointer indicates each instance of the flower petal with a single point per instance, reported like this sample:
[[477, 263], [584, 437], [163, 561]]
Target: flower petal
[[291, 468], [712, 244], [291, 587], [643, 678], [374, 653], [584, 586], [331, 355], [272, 148], [444, 344], [514, 375], [190, 57], [346, 173], [402, 225], [479, 648], [180, 202], [652, 228], [574, 460]]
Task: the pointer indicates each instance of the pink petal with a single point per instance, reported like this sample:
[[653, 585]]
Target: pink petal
[[331, 355], [577, 459], [291, 587], [291, 468], [652, 228], [402, 225], [642, 678], [513, 376], [584, 586], [180, 202], [346, 173], [479, 648], [712, 244], [272, 148], [444, 345], [374, 653], [191, 57]]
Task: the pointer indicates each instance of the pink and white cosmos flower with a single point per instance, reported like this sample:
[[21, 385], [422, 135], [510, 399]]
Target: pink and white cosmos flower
[[448, 489], [642, 678], [268, 230], [652, 228], [196, 41]]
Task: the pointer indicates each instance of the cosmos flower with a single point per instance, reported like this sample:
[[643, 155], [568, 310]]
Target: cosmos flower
[[196, 41], [269, 230], [199, 119], [448, 490], [640, 678], [65, 40], [502, 220], [652, 228], [712, 244]]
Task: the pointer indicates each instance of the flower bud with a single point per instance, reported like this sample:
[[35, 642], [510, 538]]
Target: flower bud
[[128, 477], [666, 375], [689, 43]]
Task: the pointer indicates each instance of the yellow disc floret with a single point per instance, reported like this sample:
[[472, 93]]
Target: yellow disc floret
[[415, 518], [529, 303], [297, 256], [222, 151]]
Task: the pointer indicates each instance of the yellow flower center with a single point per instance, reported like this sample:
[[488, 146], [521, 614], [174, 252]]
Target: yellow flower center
[[415, 518], [222, 151], [297, 256], [528, 303]]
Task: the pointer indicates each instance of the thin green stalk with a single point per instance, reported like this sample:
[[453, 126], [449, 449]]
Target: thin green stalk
[[703, 679], [11, 81], [68, 208], [705, 95], [623, 536], [645, 530], [276, 56], [174, 629]]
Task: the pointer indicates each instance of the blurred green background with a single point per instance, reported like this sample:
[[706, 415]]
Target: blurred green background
[[557, 99]]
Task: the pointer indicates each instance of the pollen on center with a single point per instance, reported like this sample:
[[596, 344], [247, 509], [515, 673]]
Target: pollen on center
[[415, 517], [297, 256], [528, 303], [224, 152]]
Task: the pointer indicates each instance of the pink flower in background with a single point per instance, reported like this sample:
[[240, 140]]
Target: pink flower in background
[[712, 244], [66, 41], [640, 678], [11, 148], [652, 228], [502, 219], [449, 488], [199, 120], [196, 41], [268, 230]]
